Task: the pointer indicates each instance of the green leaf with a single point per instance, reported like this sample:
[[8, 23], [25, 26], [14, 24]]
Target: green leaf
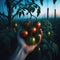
[[41, 1], [23, 13], [33, 1], [54, 1], [19, 14], [35, 5], [38, 11], [27, 13], [32, 9]]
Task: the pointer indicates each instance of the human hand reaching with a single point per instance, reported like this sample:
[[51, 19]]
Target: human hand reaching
[[24, 49], [28, 48]]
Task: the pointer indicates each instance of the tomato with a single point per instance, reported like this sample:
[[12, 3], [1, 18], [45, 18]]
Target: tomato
[[33, 30], [39, 49], [31, 40], [38, 25], [26, 24], [24, 34], [49, 33], [15, 25]]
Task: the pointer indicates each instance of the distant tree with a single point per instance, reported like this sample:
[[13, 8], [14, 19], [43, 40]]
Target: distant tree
[[30, 6]]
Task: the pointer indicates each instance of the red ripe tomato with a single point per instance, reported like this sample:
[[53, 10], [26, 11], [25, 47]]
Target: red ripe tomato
[[38, 25], [26, 24], [24, 34], [33, 30]]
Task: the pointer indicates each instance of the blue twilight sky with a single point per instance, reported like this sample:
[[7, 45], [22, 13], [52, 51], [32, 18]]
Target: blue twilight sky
[[46, 3]]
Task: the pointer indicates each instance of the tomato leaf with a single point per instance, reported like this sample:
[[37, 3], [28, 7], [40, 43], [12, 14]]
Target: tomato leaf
[[38, 11]]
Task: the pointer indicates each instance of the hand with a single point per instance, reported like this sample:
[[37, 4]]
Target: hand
[[27, 47], [23, 49]]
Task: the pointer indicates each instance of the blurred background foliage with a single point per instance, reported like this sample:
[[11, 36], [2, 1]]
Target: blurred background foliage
[[48, 46]]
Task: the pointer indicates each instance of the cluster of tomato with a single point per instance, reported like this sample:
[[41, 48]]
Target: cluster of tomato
[[31, 32]]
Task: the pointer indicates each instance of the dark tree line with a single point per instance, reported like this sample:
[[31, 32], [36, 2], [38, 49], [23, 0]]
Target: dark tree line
[[30, 6]]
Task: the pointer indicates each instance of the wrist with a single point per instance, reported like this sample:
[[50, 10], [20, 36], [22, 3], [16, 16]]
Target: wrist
[[19, 54], [22, 54]]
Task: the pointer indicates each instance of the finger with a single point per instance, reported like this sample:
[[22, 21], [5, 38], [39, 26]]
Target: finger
[[40, 36], [41, 31]]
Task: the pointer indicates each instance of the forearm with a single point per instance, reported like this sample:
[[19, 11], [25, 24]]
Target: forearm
[[20, 54]]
